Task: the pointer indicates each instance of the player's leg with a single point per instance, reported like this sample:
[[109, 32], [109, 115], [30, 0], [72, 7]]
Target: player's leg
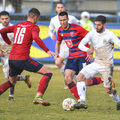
[[86, 73], [93, 81], [25, 78], [43, 84], [8, 84], [34, 66], [96, 81], [61, 61], [6, 74], [69, 74], [81, 88], [107, 76]]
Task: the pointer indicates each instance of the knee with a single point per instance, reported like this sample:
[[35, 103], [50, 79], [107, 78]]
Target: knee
[[68, 79], [58, 63], [80, 77]]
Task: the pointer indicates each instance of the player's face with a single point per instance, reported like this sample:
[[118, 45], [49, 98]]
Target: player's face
[[60, 8], [64, 22], [100, 27], [4, 19]]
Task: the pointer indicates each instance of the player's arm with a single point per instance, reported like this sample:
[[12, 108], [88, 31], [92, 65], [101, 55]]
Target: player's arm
[[115, 40], [51, 29], [58, 42], [84, 41], [4, 32], [38, 40]]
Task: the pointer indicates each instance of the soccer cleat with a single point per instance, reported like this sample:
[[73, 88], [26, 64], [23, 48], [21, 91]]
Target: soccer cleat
[[39, 100], [113, 84], [118, 106], [81, 105], [10, 98], [27, 81]]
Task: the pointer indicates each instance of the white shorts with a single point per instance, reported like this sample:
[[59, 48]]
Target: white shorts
[[5, 66], [105, 72]]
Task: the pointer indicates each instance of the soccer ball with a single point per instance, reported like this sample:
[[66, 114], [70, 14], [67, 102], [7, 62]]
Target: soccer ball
[[68, 104]]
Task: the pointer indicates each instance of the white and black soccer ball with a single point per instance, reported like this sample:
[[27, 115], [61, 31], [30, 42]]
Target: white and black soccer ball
[[68, 104]]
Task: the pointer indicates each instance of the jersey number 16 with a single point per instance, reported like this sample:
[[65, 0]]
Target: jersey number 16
[[19, 35]]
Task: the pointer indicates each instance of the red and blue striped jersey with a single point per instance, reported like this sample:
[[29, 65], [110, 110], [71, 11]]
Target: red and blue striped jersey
[[73, 36]]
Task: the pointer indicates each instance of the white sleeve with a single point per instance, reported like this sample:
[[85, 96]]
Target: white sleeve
[[73, 19], [51, 28], [115, 40], [84, 41]]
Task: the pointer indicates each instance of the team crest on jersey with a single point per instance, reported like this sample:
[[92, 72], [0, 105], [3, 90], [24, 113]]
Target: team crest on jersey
[[72, 33], [104, 41]]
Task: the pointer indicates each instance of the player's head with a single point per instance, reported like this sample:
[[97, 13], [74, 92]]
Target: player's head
[[63, 18], [60, 7], [100, 23], [85, 16], [4, 18], [33, 15]]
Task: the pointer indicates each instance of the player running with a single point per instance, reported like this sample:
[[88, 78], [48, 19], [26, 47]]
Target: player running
[[19, 60]]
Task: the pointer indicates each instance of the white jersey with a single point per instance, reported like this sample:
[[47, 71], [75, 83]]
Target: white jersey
[[4, 46], [103, 45]]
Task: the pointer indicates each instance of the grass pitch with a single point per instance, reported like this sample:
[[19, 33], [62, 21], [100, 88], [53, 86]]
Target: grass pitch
[[100, 105]]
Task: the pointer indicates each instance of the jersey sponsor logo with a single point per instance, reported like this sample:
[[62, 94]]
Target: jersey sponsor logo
[[69, 43]]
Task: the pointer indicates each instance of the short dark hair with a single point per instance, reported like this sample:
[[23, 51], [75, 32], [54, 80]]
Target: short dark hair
[[101, 18], [60, 3], [4, 13], [63, 13], [33, 12]]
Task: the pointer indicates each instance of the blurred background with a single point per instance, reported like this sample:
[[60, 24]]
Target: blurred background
[[18, 10]]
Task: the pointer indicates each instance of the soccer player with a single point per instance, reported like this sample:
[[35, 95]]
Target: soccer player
[[72, 34], [64, 51], [5, 52], [19, 60], [103, 42]]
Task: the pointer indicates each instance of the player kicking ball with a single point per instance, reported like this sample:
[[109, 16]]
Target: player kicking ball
[[103, 42]]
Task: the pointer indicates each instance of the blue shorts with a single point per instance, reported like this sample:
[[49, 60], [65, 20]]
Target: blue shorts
[[75, 64], [17, 66]]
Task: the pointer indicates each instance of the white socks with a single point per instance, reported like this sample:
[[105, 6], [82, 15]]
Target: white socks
[[75, 78], [81, 87], [115, 97], [21, 78], [62, 69]]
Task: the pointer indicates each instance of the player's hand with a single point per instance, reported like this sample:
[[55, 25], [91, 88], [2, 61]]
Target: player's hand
[[53, 37], [90, 52], [51, 54], [89, 58], [57, 56]]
